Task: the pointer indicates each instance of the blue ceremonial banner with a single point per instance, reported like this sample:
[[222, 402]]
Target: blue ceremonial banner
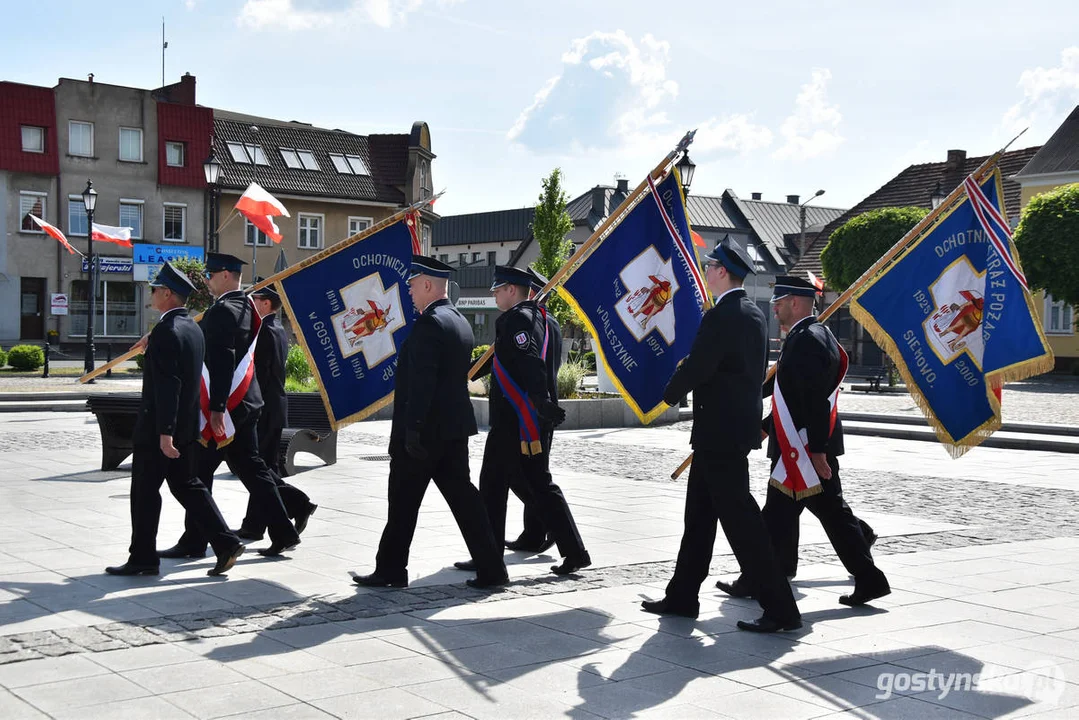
[[351, 310], [955, 315], [641, 295]]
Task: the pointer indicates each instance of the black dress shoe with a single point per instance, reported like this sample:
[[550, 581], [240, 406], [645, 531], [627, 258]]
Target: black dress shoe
[[245, 534], [466, 565], [487, 583], [530, 546], [178, 551], [130, 568], [376, 580], [736, 589], [226, 561], [303, 517], [276, 549], [765, 624], [571, 565], [861, 597], [666, 607]]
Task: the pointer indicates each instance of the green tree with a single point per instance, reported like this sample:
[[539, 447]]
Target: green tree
[[861, 241], [550, 226], [1048, 242], [195, 270]]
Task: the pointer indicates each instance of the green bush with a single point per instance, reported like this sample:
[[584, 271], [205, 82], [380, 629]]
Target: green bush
[[294, 385], [861, 241], [3, 357], [26, 357], [589, 361], [478, 351], [296, 367], [570, 376], [140, 361]]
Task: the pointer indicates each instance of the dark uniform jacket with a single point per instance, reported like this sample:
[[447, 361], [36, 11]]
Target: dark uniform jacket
[[227, 329], [271, 351], [554, 355], [170, 381], [808, 369], [518, 345], [724, 370], [431, 390]]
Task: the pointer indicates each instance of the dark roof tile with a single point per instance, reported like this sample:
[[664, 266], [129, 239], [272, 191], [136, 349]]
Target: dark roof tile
[[1060, 154]]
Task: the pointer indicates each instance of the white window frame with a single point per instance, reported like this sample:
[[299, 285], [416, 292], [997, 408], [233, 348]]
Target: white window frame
[[36, 195], [353, 161], [291, 158], [1066, 315], [252, 154], [261, 238], [304, 155], [300, 229], [183, 222], [142, 216], [356, 220], [183, 153], [76, 201], [340, 164], [120, 148], [70, 125], [425, 237], [40, 135]]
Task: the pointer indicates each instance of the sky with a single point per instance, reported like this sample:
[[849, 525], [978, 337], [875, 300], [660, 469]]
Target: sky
[[787, 97]]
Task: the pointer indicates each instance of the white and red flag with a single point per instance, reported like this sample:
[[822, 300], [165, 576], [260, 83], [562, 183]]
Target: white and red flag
[[52, 231], [815, 281], [260, 207], [112, 234]]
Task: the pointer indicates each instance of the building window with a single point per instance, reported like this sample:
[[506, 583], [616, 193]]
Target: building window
[[491, 257], [308, 160], [247, 153], [444, 258], [1059, 318], [131, 216], [131, 144], [76, 216], [33, 139], [462, 259], [425, 236], [292, 160], [310, 231], [175, 225], [476, 257], [174, 154], [80, 138], [117, 312], [31, 203], [252, 235], [359, 224], [349, 164]]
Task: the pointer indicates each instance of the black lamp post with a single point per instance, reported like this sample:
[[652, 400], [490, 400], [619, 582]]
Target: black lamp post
[[212, 169], [686, 168], [937, 196], [802, 222], [89, 201]]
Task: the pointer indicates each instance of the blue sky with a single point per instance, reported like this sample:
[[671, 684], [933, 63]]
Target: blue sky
[[789, 97]]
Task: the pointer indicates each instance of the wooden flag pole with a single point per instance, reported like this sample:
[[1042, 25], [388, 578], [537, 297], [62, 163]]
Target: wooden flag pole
[[887, 257], [600, 233], [397, 216]]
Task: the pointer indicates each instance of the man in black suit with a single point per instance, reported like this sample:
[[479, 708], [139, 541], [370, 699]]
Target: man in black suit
[[166, 432], [432, 421], [808, 375], [523, 418], [271, 352], [231, 418], [724, 370]]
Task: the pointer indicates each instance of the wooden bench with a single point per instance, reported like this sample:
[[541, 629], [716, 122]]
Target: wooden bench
[[307, 430], [872, 374]]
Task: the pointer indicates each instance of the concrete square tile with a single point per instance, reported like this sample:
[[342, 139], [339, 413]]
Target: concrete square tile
[[48, 670], [326, 683], [387, 704], [146, 707], [221, 700], [144, 657], [67, 694], [186, 676]]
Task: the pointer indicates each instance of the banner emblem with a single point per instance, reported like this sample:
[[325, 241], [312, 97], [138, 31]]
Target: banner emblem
[[648, 307], [371, 316]]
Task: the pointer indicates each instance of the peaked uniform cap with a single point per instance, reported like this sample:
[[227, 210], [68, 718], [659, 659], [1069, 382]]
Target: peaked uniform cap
[[538, 281], [221, 261], [267, 292], [790, 285], [731, 256], [176, 280], [509, 275], [423, 265]]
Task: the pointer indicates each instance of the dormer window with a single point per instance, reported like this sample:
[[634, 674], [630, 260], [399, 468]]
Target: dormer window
[[292, 160], [308, 160], [247, 154], [349, 164]]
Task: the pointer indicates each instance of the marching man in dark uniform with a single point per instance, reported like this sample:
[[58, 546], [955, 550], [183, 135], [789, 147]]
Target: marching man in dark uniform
[[432, 421], [724, 370], [231, 327], [271, 352], [166, 432], [805, 440], [523, 418]]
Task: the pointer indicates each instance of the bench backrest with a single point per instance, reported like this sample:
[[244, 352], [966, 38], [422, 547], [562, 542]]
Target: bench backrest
[[305, 410]]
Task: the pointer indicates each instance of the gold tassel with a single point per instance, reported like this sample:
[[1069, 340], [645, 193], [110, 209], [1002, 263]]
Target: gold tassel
[[535, 447], [524, 448]]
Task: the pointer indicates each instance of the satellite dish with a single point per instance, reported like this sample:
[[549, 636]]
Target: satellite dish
[[455, 292]]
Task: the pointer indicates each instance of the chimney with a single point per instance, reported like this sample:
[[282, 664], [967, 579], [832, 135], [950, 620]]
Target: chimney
[[623, 186], [754, 196], [956, 159], [599, 201], [792, 199]]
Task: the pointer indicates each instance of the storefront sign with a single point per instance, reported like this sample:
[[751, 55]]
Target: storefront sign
[[476, 303], [149, 258], [109, 264], [59, 303]]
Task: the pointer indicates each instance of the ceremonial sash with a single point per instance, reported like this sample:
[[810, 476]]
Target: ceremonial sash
[[794, 474], [241, 381], [527, 417]]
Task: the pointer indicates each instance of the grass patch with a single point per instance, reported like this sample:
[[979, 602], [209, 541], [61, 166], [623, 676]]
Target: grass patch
[[294, 385]]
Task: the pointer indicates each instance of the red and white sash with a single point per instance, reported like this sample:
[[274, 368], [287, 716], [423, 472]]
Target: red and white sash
[[241, 381], [794, 473]]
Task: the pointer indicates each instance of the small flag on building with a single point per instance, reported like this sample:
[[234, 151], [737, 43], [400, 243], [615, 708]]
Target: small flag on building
[[260, 207], [53, 232], [112, 234]]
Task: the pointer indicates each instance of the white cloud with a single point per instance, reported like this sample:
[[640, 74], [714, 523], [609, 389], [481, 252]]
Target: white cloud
[[299, 15], [734, 133], [811, 130], [1047, 92], [189, 4]]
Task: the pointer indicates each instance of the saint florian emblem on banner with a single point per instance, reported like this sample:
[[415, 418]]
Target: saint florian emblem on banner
[[650, 285], [955, 325], [372, 314]]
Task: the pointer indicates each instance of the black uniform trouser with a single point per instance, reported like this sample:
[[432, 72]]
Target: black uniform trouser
[[718, 489], [149, 468], [533, 530], [295, 500], [845, 531], [447, 466], [243, 457], [503, 464]]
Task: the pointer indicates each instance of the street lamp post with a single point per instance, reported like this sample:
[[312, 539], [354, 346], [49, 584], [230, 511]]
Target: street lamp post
[[802, 223], [937, 196], [255, 150], [212, 170], [686, 168], [89, 201]]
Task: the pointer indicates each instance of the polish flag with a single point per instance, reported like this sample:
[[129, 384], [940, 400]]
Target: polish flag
[[697, 239], [52, 231], [266, 224], [260, 207], [112, 234], [815, 281]]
